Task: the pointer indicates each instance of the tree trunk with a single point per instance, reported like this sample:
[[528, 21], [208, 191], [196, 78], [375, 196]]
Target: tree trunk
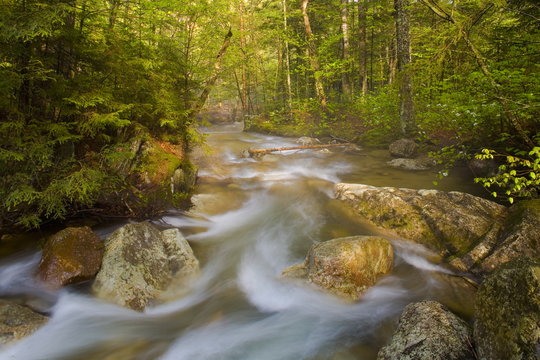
[[244, 85], [345, 81], [406, 113], [313, 57], [362, 46], [287, 55], [255, 152]]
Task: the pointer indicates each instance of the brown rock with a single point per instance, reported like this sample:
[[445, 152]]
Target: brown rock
[[69, 256]]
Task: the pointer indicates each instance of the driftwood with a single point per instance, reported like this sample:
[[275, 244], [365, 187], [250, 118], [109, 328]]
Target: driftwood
[[259, 152]]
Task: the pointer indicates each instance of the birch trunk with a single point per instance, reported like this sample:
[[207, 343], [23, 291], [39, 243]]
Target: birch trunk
[[313, 57], [345, 81], [362, 46]]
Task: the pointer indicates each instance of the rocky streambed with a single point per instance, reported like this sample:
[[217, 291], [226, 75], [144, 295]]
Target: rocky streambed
[[278, 259]]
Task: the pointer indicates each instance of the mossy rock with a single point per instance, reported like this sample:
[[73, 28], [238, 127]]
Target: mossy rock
[[450, 223], [507, 323], [345, 267]]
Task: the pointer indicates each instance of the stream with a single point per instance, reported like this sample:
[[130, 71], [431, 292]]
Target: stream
[[251, 219]]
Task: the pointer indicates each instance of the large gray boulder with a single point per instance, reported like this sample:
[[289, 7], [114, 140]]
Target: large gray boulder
[[403, 148], [345, 267], [70, 256], [447, 222], [429, 331], [507, 311], [141, 262], [17, 322]]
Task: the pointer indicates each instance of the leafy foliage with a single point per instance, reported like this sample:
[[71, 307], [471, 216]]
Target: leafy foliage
[[518, 176], [77, 80]]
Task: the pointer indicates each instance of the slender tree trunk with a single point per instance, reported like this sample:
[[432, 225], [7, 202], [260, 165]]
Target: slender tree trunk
[[313, 57], [244, 87], [392, 63], [287, 55], [345, 80], [406, 114], [362, 46]]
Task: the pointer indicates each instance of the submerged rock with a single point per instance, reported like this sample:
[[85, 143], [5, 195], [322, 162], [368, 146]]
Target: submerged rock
[[141, 262], [17, 322], [346, 266], [306, 141], [448, 222], [507, 324], [69, 256], [403, 148], [429, 331], [411, 164]]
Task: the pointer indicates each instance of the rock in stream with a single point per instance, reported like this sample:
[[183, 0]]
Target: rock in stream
[[345, 267], [507, 313], [69, 256], [429, 331], [141, 262], [447, 222], [17, 321]]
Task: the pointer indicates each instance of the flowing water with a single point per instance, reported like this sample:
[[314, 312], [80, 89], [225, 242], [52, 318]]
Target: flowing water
[[251, 219]]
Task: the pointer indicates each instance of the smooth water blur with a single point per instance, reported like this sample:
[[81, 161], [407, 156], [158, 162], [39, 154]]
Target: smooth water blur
[[251, 219]]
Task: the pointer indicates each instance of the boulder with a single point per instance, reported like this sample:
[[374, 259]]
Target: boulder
[[519, 237], [345, 267], [141, 262], [507, 309], [17, 321], [447, 222], [410, 164], [306, 141], [403, 148], [70, 256], [429, 331]]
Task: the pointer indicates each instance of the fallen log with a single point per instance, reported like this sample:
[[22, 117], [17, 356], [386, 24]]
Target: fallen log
[[259, 152]]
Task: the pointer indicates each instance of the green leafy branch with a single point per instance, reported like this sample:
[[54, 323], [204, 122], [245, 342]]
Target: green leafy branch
[[518, 176]]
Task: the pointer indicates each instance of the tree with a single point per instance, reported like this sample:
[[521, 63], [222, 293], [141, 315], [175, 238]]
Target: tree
[[406, 114], [313, 56]]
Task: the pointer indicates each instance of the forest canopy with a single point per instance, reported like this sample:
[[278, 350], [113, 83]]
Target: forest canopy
[[79, 80]]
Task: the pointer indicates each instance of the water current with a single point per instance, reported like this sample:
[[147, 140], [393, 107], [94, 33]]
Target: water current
[[250, 220]]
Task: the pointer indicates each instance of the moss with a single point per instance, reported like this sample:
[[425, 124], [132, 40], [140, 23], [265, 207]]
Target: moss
[[507, 310]]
